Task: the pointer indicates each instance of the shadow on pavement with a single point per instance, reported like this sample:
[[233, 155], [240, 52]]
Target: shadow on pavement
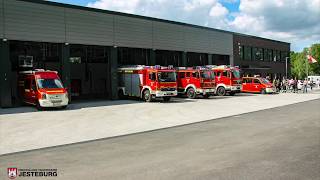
[[81, 104]]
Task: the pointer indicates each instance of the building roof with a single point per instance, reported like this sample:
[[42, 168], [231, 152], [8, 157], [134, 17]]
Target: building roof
[[143, 17]]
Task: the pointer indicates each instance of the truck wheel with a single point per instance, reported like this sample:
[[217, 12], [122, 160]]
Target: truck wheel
[[121, 94], [39, 108], [147, 96], [63, 107], [166, 99], [191, 93], [263, 91], [221, 91]]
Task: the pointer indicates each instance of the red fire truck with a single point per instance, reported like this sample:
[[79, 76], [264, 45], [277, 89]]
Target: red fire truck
[[147, 82], [42, 88], [194, 81], [227, 78]]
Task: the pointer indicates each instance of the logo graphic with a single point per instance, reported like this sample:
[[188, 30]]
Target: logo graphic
[[12, 173]]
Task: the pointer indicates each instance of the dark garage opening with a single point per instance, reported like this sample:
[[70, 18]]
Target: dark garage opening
[[218, 59], [133, 56], [44, 56], [90, 72], [165, 58], [197, 59]]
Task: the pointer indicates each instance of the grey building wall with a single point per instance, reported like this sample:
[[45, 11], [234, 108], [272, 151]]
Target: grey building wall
[[91, 28], [197, 40], [168, 36], [220, 42], [48, 23], [132, 32], [1, 20], [34, 22]]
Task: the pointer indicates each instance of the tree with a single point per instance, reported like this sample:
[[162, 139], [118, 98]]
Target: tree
[[300, 65]]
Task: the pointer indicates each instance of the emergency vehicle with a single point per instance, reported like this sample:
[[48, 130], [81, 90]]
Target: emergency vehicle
[[227, 79], [147, 82], [195, 81], [257, 85], [42, 88]]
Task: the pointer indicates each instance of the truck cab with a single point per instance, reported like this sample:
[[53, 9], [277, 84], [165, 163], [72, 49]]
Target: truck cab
[[228, 79], [147, 82], [195, 81], [42, 89], [257, 85]]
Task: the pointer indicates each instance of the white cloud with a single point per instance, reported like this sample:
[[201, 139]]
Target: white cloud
[[121, 5], [292, 21], [218, 11]]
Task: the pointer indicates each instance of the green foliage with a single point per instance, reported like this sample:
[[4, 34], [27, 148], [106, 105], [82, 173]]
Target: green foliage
[[300, 65]]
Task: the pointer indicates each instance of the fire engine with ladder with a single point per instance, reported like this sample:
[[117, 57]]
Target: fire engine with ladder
[[193, 81], [227, 78], [147, 82]]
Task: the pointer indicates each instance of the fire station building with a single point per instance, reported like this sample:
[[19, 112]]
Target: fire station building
[[86, 46]]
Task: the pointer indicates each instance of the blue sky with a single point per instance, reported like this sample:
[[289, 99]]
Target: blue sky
[[293, 21]]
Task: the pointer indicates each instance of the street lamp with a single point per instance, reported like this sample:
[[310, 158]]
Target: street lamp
[[287, 67]]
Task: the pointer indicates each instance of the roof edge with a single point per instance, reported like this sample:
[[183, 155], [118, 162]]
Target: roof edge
[[72, 6]]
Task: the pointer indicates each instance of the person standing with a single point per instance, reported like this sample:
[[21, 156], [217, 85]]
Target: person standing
[[305, 86], [295, 85]]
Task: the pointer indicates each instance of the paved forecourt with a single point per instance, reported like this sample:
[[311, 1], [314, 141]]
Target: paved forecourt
[[24, 129]]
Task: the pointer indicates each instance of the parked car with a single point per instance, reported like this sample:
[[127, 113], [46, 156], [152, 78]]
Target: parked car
[[257, 85]]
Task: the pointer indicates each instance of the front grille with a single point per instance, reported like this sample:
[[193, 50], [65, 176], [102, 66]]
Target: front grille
[[168, 89], [55, 98]]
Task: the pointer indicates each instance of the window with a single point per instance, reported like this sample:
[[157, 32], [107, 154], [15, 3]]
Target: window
[[195, 74], [270, 55], [182, 74], [167, 76], [257, 54], [49, 83], [276, 55], [283, 55], [152, 76], [33, 84], [256, 81], [241, 54], [247, 53], [188, 74], [225, 73], [246, 81]]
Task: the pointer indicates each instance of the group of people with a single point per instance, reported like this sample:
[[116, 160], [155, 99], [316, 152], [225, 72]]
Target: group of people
[[294, 85]]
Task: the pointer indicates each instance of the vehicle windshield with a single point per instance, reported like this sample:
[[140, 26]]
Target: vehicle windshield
[[49, 83], [265, 81], [207, 75], [167, 76], [236, 73]]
